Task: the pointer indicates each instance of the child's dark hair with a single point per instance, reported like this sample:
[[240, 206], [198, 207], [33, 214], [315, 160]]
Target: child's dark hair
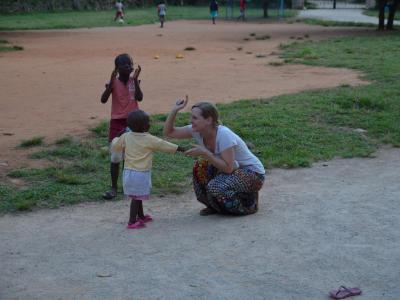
[[138, 121], [122, 58]]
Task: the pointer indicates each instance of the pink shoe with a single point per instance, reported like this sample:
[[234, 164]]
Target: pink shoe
[[147, 218], [137, 225]]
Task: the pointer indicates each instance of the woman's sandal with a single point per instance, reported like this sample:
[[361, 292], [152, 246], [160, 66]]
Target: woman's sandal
[[344, 292], [208, 211], [137, 225]]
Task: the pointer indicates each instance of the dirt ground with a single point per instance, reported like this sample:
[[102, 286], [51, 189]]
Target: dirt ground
[[53, 87], [318, 228]]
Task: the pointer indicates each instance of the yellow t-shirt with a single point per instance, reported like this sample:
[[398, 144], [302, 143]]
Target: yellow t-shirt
[[139, 148]]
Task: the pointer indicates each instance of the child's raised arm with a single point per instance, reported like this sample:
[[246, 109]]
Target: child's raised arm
[[106, 94], [138, 91]]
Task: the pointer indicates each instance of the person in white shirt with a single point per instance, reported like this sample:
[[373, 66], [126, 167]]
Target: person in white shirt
[[228, 176], [119, 14], [161, 11]]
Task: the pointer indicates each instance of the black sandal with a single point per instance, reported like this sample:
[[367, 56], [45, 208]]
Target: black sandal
[[208, 211], [109, 195]]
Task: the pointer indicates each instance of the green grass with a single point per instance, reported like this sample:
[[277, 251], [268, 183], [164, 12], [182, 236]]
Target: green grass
[[35, 141], [287, 131], [375, 13], [5, 47], [89, 19], [328, 23]]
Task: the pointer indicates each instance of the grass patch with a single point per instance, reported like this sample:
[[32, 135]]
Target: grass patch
[[36, 141], [5, 47], [287, 131], [101, 130], [89, 19], [64, 141], [328, 23], [276, 63], [264, 37]]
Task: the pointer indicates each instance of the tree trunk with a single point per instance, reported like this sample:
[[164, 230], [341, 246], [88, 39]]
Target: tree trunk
[[382, 4]]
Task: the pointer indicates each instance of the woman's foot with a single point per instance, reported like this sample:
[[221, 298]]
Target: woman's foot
[[207, 211], [136, 225]]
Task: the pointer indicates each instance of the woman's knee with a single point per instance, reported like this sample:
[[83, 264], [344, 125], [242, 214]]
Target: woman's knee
[[215, 188]]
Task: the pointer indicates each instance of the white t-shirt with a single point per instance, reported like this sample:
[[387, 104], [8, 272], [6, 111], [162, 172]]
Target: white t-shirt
[[226, 138], [162, 9], [119, 6]]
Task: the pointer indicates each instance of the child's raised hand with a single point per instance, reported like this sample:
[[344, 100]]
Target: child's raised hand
[[137, 72]]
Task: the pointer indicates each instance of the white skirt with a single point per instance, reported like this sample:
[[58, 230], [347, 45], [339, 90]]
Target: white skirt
[[137, 184]]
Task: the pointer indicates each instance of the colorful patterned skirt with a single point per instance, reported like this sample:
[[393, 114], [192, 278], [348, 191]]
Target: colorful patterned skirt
[[235, 193]]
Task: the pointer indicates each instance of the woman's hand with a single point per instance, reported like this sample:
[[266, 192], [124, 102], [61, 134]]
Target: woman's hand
[[181, 104], [137, 72], [198, 150]]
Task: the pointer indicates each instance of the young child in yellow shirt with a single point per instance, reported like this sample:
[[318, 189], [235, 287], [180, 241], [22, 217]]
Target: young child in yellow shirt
[[139, 146]]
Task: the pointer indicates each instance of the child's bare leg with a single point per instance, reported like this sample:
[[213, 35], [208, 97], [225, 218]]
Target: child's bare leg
[[114, 170], [140, 210], [134, 210]]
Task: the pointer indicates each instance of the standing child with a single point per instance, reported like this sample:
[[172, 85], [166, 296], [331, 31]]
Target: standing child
[[161, 11], [242, 6], [213, 10], [119, 14], [126, 93], [139, 146]]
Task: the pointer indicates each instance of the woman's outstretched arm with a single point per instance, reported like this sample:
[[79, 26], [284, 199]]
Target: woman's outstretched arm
[[223, 163], [169, 129]]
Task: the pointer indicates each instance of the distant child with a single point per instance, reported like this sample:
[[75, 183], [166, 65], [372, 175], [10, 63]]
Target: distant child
[[213, 10], [242, 6], [161, 11], [119, 14], [126, 93], [139, 146]]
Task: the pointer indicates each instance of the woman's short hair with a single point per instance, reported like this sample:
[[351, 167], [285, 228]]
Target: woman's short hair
[[138, 121], [208, 110]]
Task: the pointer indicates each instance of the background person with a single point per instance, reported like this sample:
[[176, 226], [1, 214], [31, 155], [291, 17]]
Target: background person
[[161, 11], [126, 93], [213, 10], [119, 14], [242, 7]]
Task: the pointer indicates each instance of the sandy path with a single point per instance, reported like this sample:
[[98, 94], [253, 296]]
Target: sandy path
[[318, 228], [52, 88]]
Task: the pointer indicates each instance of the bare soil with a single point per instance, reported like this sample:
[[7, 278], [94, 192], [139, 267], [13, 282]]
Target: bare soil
[[317, 228], [52, 88]]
